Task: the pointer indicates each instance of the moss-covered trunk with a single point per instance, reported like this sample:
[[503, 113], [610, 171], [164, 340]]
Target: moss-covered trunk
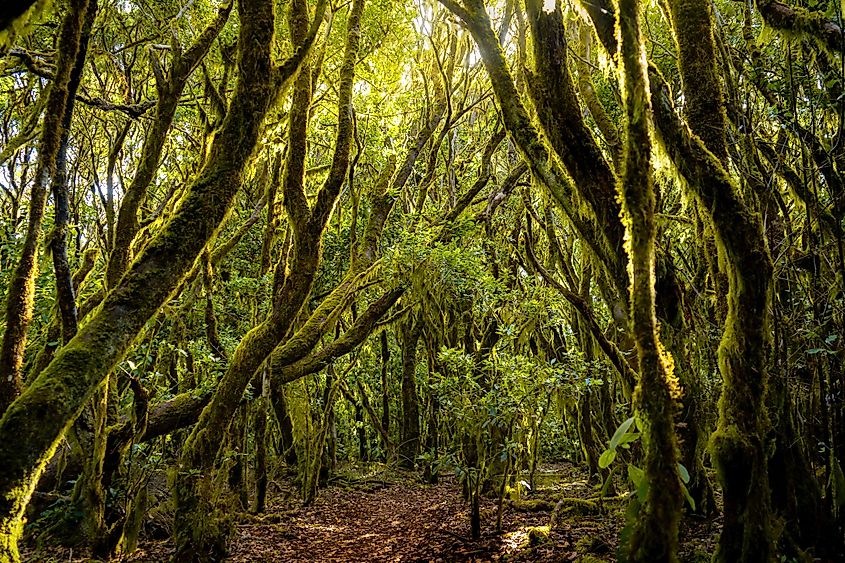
[[796, 493], [286, 444], [33, 425], [585, 433], [655, 531], [385, 393], [65, 294], [89, 492], [409, 443], [21, 293], [559, 112], [260, 427], [738, 444]]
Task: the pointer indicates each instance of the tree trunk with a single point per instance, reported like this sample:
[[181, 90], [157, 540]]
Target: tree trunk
[[655, 531], [385, 392], [260, 426], [409, 445], [20, 299], [36, 418], [286, 444]]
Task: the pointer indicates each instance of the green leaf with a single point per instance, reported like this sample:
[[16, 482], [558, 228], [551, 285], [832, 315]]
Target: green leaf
[[628, 438], [688, 497], [606, 486], [620, 432], [642, 490], [684, 473], [607, 458], [635, 474]]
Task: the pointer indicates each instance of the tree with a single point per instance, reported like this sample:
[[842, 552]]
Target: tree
[[453, 236]]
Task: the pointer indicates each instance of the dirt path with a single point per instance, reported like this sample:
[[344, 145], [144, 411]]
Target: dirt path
[[402, 520], [397, 523]]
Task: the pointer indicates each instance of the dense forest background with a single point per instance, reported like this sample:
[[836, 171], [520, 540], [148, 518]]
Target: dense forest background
[[265, 242]]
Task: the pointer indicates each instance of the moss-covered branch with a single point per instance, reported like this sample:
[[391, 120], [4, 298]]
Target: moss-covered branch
[[503, 192], [794, 20], [559, 112], [293, 179], [169, 92], [522, 130], [704, 105], [485, 172], [33, 425], [21, 292], [628, 376], [351, 338]]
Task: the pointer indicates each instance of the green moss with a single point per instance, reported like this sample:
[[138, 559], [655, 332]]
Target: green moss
[[538, 535], [201, 529], [24, 22], [590, 559], [37, 419], [796, 23], [10, 533], [531, 505], [704, 105], [591, 544]]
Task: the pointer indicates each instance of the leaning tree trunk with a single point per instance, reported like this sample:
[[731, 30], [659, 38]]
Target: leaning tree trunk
[[33, 425], [21, 295]]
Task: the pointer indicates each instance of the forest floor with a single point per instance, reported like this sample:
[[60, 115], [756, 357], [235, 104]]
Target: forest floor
[[390, 517]]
